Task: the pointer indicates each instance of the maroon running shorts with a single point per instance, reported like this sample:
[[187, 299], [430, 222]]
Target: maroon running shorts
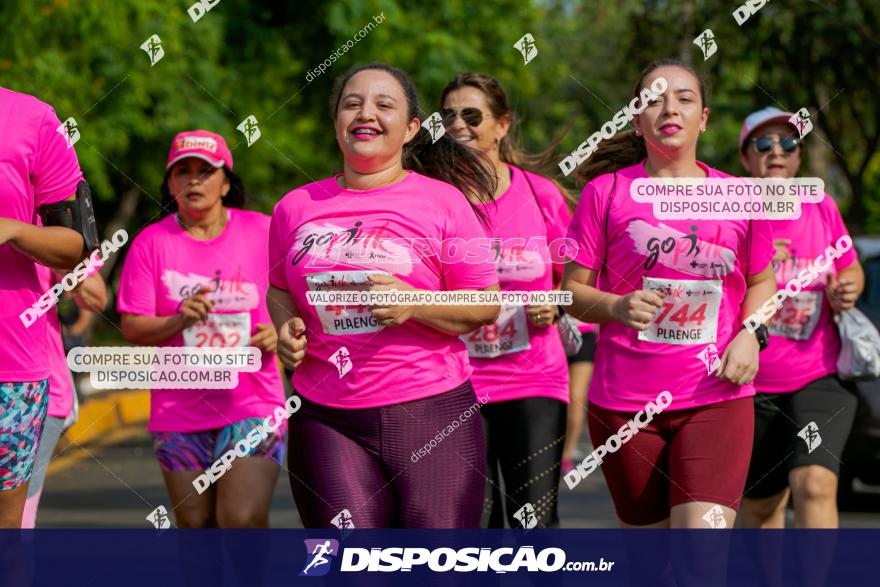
[[698, 454]]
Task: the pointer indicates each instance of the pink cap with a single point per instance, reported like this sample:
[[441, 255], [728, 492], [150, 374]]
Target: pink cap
[[202, 144], [760, 118]]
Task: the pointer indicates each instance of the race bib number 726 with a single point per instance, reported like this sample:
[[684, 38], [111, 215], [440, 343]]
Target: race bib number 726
[[798, 316], [689, 314]]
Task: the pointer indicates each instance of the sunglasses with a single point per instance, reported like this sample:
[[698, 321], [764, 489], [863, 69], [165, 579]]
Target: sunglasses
[[764, 144], [470, 116]]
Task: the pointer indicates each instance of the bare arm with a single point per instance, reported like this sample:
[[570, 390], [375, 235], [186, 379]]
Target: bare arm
[[151, 330], [53, 246], [458, 319], [761, 288], [739, 361], [589, 304], [846, 289], [281, 306], [156, 330], [449, 319], [91, 293], [292, 342]]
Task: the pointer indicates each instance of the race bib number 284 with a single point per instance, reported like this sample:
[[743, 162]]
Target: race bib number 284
[[508, 334]]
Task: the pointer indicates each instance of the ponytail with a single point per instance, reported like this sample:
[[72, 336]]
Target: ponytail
[[622, 150], [451, 162]]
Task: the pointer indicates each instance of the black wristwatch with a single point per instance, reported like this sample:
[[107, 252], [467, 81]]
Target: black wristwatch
[[762, 335]]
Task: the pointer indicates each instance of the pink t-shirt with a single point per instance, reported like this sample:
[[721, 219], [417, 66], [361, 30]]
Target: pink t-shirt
[[512, 358], [324, 237], [699, 267], [36, 168], [60, 381], [163, 267], [804, 342]]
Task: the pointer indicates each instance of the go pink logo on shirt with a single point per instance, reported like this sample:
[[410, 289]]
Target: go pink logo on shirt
[[683, 252], [355, 245], [227, 294]]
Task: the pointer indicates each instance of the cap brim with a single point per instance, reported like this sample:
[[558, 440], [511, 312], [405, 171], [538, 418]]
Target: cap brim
[[783, 118], [197, 156]]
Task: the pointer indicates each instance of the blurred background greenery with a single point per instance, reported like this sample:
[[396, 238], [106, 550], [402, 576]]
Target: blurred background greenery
[[251, 57]]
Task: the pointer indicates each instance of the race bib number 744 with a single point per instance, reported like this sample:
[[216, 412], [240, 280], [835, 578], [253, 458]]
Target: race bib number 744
[[689, 314]]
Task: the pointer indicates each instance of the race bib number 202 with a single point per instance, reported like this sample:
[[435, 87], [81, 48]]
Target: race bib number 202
[[220, 330], [689, 314]]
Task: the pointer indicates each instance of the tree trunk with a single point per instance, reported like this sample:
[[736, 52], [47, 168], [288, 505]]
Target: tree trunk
[[125, 211], [686, 47]]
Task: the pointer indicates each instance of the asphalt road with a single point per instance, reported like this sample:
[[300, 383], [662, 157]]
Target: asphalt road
[[117, 484]]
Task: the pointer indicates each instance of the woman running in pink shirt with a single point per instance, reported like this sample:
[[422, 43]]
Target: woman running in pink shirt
[[797, 387], [389, 433], [519, 362], [673, 439], [198, 278], [40, 169]]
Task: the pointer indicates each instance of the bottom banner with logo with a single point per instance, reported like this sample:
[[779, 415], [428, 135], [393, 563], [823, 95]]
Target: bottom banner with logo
[[216, 558]]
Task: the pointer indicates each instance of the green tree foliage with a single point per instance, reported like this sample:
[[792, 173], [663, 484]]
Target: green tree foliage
[[252, 57]]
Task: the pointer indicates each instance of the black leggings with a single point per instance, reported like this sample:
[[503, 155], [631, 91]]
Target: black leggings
[[524, 437]]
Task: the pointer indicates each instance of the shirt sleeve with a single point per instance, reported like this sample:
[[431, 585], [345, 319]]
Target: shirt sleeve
[[470, 267], [137, 283], [278, 246], [838, 230], [759, 241], [55, 170], [587, 229]]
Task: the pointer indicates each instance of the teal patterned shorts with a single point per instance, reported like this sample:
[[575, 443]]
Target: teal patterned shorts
[[23, 408]]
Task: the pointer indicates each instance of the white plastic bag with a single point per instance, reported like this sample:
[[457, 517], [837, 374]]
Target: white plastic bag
[[859, 358], [570, 335]]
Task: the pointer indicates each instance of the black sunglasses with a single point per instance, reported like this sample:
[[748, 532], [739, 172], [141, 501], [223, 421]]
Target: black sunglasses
[[470, 116], [764, 144]]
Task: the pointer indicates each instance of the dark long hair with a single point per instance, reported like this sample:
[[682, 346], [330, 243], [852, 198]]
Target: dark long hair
[[627, 148], [446, 159], [509, 150], [234, 198]]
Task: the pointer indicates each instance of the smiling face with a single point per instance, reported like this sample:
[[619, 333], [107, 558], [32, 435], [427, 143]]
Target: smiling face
[[673, 122], [372, 121], [196, 185], [484, 137], [775, 162]]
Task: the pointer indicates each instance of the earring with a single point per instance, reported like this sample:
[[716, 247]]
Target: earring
[[703, 129], [638, 133]]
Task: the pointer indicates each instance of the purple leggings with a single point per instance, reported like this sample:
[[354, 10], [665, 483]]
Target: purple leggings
[[418, 464]]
